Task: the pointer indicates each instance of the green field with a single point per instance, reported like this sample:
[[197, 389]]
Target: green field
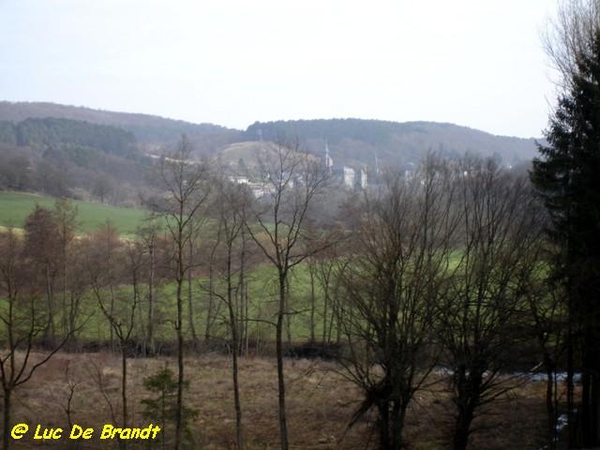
[[262, 297], [262, 281], [16, 206]]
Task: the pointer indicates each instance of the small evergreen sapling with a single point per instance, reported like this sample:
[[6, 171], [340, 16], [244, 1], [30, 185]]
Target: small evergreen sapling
[[162, 406]]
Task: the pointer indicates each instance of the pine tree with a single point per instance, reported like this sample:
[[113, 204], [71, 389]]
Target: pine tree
[[567, 176]]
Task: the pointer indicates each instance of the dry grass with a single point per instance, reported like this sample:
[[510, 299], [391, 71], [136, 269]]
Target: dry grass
[[320, 402]]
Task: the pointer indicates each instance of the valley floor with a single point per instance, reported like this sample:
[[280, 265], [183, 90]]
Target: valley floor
[[320, 404]]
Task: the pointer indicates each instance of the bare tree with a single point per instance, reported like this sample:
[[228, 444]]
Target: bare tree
[[570, 35], [481, 311], [312, 272], [66, 219], [292, 182], [75, 317], [103, 187], [42, 247], [24, 322], [233, 202], [105, 249], [402, 255], [545, 299], [148, 235], [212, 310], [322, 268], [187, 187]]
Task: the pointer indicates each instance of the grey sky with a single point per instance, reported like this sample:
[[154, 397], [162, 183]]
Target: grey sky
[[477, 63]]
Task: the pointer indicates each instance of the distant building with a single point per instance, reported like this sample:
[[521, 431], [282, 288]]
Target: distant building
[[239, 179], [361, 179], [259, 190], [328, 161], [347, 176]]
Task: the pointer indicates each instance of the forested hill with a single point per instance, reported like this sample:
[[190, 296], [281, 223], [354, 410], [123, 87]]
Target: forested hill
[[43, 134], [360, 141], [70, 158], [351, 141], [147, 129]]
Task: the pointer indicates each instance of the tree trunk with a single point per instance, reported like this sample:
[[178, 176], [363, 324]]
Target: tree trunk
[[461, 430], [236, 398], [312, 305], [151, 297], [73, 312], [180, 365], [189, 296], [324, 339], [112, 314], [467, 397], [6, 418], [550, 409], [286, 316], [398, 413], [50, 332], [235, 346], [242, 306], [123, 443], [595, 407], [66, 317], [211, 303], [279, 354], [570, 383], [589, 395], [246, 318], [383, 425]]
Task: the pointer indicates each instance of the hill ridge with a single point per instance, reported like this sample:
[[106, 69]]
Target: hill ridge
[[351, 140]]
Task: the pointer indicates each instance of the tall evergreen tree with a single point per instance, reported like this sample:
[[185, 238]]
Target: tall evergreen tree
[[567, 176]]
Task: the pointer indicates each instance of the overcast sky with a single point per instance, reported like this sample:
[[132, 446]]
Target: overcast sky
[[478, 63]]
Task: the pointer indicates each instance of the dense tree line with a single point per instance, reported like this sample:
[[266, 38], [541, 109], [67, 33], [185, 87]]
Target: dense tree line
[[149, 130], [52, 132], [66, 158], [78, 173], [76, 159], [356, 141], [371, 131], [8, 133]]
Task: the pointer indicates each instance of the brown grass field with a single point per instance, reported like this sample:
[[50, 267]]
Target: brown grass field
[[320, 403]]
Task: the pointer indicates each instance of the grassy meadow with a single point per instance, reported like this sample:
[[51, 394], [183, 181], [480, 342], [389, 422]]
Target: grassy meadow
[[16, 206], [262, 288], [262, 308]]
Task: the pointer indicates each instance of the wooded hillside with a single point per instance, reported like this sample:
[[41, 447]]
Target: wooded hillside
[[361, 141]]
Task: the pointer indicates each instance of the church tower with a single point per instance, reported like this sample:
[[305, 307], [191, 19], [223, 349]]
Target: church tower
[[328, 161]]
